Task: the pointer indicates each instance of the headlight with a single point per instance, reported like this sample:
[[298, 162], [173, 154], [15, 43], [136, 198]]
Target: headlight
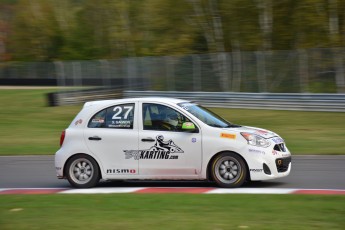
[[256, 140]]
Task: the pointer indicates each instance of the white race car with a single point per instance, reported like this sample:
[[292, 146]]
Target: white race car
[[165, 139]]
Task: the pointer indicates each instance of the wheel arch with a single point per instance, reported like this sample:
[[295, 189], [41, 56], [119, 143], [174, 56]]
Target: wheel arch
[[209, 164]]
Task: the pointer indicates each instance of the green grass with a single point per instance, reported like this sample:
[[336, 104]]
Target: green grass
[[304, 132], [174, 211], [28, 126]]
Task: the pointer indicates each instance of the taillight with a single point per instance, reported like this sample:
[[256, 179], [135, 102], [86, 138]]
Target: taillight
[[62, 137]]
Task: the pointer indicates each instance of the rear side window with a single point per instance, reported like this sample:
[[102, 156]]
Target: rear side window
[[117, 117]]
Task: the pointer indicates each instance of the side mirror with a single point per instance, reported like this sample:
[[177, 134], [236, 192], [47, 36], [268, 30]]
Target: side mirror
[[188, 126]]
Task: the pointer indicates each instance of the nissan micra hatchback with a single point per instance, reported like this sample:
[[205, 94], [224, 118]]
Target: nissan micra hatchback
[[165, 139]]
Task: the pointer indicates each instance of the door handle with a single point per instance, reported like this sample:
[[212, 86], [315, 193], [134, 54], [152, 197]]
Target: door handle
[[149, 139], [95, 138]]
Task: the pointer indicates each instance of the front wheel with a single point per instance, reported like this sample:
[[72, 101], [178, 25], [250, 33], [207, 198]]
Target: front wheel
[[82, 171], [229, 170]]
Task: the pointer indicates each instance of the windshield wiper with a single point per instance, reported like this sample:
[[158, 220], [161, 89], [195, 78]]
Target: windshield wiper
[[225, 126], [233, 126], [217, 126]]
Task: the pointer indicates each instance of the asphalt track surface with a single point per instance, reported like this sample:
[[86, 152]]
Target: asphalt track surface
[[308, 172]]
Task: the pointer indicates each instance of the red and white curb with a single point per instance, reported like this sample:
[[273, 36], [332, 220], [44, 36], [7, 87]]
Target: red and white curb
[[152, 190]]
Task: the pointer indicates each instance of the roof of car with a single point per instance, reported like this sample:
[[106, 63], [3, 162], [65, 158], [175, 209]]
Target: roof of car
[[141, 99]]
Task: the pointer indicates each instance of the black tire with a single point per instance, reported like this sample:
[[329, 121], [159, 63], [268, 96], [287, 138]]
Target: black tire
[[228, 170], [82, 171]]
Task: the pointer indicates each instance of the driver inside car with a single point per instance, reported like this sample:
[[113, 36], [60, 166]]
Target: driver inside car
[[169, 119]]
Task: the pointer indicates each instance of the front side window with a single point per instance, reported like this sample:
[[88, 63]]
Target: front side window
[[206, 116], [162, 118], [118, 117]]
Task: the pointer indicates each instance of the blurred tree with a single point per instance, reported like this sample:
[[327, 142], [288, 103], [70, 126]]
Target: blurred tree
[[98, 29], [35, 34], [240, 25], [206, 17], [168, 29], [334, 36], [266, 22], [65, 12], [283, 32], [310, 24], [6, 14], [107, 29]]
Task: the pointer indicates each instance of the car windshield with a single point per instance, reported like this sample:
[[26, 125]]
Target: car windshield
[[206, 116]]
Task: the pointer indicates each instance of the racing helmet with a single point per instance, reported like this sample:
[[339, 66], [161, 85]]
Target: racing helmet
[[160, 138]]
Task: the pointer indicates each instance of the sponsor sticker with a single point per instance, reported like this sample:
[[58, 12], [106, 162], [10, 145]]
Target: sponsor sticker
[[278, 140], [186, 106], [121, 171], [228, 135], [78, 122], [95, 120], [161, 150], [255, 170], [120, 124], [256, 151]]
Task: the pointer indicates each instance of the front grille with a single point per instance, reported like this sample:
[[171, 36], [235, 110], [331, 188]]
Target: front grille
[[280, 147], [283, 164]]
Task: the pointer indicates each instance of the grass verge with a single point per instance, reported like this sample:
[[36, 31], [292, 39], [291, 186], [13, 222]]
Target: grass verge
[[174, 211], [28, 126]]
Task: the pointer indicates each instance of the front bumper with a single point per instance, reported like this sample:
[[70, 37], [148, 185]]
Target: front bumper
[[269, 163]]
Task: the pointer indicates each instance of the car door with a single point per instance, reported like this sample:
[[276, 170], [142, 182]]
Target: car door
[[111, 131], [167, 152]]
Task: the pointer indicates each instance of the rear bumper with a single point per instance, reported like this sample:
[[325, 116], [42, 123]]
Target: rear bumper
[[59, 165]]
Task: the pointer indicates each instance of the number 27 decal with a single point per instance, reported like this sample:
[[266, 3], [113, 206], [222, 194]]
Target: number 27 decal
[[118, 111]]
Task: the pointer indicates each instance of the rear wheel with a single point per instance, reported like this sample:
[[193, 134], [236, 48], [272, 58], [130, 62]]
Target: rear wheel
[[82, 171], [229, 170]]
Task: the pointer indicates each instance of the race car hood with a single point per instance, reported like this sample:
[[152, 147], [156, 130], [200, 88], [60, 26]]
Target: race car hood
[[257, 131]]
